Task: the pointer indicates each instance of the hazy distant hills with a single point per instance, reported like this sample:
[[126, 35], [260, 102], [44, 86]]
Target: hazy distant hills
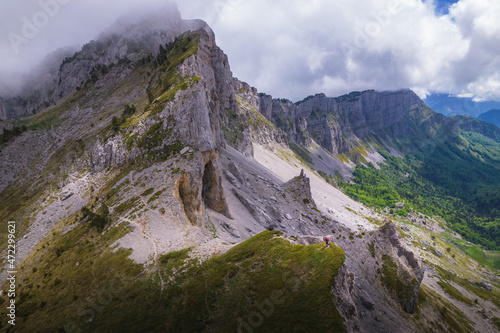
[[450, 106], [492, 116]]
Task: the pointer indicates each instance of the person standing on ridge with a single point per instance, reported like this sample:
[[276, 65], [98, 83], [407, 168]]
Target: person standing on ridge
[[326, 241]]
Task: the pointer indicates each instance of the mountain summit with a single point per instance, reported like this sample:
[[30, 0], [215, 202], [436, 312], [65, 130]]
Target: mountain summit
[[132, 36]]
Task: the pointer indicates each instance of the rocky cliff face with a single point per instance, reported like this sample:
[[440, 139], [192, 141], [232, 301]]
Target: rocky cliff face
[[252, 125], [383, 271], [339, 123], [408, 270], [180, 105], [131, 38]]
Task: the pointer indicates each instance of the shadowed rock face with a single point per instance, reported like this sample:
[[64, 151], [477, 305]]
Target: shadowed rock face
[[201, 187], [188, 195], [250, 104], [212, 192], [198, 124]]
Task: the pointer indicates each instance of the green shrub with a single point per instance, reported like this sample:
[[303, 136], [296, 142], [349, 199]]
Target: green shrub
[[147, 192]]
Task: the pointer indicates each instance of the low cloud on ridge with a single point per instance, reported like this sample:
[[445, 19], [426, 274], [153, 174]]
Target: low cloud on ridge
[[294, 48]]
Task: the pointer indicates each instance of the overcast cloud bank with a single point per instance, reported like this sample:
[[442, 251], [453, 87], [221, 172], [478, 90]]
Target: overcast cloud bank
[[295, 48]]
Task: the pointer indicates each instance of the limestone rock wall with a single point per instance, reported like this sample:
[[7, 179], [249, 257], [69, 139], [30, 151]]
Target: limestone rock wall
[[338, 123], [105, 154]]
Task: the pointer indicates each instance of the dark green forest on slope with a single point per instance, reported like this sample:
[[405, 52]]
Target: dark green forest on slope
[[458, 181]]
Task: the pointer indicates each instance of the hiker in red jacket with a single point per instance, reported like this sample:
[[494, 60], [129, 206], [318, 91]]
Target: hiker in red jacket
[[326, 241]]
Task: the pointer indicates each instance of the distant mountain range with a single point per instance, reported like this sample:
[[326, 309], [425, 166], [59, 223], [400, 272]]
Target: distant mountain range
[[492, 116], [451, 106]]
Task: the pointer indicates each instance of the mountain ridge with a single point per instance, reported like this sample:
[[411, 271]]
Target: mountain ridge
[[363, 127], [491, 116], [134, 35], [451, 105]]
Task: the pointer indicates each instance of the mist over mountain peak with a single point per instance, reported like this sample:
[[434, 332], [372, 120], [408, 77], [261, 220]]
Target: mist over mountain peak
[[135, 34], [142, 19]]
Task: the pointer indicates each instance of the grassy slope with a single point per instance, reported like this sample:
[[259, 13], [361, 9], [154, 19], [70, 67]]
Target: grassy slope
[[447, 312], [233, 286], [90, 287], [447, 182]]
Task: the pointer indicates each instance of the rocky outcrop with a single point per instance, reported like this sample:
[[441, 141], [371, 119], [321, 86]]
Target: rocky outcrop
[[300, 189], [344, 299], [108, 153], [403, 270], [484, 285], [187, 192], [235, 171], [207, 115], [201, 187], [261, 130], [257, 213], [212, 192], [198, 114], [387, 277]]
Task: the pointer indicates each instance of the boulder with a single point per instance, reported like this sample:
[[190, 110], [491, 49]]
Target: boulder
[[235, 171], [232, 179], [65, 195], [229, 228], [484, 285], [366, 300]]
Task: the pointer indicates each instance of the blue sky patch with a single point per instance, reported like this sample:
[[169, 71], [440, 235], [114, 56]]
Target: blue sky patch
[[443, 5]]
